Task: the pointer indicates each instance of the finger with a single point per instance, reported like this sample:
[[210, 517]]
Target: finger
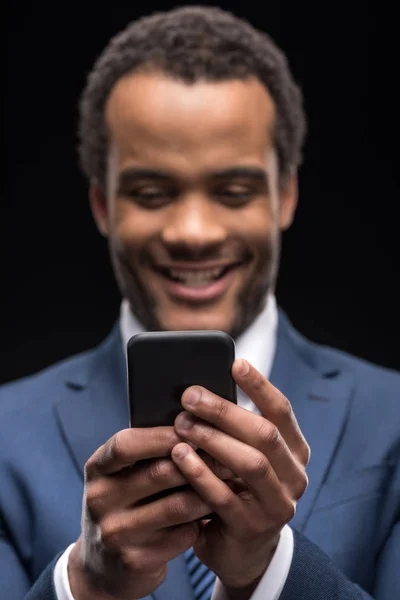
[[128, 446], [273, 405], [147, 478], [247, 462], [129, 486], [237, 485], [220, 470], [217, 494], [138, 525], [247, 427], [175, 540]]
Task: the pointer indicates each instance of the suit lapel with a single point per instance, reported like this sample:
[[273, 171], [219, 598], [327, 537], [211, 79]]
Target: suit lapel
[[93, 405], [320, 395]]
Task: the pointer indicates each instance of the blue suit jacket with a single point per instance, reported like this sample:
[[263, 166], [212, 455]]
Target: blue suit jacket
[[347, 526]]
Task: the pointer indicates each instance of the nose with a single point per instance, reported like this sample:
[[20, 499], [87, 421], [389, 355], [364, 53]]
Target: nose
[[193, 223]]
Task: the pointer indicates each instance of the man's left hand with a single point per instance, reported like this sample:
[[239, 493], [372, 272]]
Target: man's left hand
[[267, 453]]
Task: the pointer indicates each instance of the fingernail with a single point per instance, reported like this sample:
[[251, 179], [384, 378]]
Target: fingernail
[[185, 422], [244, 367], [180, 451], [192, 397]]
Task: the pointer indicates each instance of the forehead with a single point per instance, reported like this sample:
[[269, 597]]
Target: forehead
[[154, 119]]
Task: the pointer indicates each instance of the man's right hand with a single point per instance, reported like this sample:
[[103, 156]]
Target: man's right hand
[[127, 539]]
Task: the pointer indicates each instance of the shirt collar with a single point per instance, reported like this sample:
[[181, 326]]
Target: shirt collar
[[257, 344]]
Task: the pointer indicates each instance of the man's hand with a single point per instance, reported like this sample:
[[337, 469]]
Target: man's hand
[[127, 536], [268, 454]]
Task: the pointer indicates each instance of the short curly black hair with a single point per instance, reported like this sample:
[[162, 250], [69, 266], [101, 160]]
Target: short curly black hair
[[192, 43]]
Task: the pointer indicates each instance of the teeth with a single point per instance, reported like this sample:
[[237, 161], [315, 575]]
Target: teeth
[[196, 278]]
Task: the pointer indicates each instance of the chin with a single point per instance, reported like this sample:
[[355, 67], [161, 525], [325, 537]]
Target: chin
[[190, 322]]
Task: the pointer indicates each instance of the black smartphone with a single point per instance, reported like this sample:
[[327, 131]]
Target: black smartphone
[[161, 365]]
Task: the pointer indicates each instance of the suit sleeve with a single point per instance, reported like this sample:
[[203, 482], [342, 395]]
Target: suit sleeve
[[44, 589], [14, 580], [314, 575], [387, 585]]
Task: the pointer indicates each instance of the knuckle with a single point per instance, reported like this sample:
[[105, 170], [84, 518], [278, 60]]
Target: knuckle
[[301, 487], [189, 534], [205, 433], [166, 436], [90, 468], [181, 506], [94, 499], [285, 408], [162, 469], [220, 470], [94, 462], [225, 501], [117, 445], [289, 511], [220, 408], [197, 470], [178, 507], [110, 531], [269, 434], [306, 454], [257, 466]]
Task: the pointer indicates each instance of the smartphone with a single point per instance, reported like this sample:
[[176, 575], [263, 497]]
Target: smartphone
[[161, 365]]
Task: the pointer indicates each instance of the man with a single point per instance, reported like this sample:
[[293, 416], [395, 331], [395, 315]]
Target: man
[[191, 136]]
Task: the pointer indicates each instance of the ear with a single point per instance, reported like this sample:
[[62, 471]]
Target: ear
[[288, 202], [99, 207]]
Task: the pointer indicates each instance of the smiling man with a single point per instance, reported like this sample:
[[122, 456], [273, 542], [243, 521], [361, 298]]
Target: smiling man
[[193, 207], [191, 134]]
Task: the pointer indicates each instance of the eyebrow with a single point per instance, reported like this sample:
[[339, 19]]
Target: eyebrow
[[131, 174]]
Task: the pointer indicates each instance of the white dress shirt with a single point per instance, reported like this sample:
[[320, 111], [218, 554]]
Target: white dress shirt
[[257, 345]]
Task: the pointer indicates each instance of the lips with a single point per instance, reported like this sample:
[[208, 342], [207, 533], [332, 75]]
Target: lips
[[195, 278], [197, 283]]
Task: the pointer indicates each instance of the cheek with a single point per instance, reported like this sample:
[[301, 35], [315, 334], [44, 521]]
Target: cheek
[[259, 230], [264, 243], [257, 219], [130, 230]]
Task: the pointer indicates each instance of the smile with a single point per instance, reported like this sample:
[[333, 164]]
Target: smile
[[195, 277], [197, 284]]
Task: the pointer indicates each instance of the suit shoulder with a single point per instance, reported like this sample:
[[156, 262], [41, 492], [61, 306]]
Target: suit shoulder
[[376, 375], [327, 360], [31, 391], [31, 396]]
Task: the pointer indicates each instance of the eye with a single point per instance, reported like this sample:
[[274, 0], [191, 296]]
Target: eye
[[236, 195], [151, 197]]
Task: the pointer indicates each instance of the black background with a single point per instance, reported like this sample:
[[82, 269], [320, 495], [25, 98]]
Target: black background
[[338, 279]]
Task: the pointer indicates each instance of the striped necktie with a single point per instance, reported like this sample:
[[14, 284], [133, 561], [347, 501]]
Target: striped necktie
[[200, 576]]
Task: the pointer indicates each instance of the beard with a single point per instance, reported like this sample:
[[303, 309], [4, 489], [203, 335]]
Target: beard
[[249, 303], [142, 304], [252, 300]]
